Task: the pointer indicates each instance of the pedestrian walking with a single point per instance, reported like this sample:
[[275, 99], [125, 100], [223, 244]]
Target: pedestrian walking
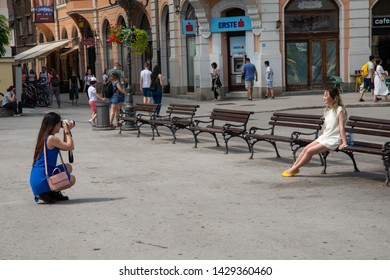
[[32, 77], [368, 81], [105, 76], [54, 80], [269, 77], [74, 85], [156, 87], [87, 79], [145, 79], [250, 75], [215, 80], [380, 88], [44, 81]]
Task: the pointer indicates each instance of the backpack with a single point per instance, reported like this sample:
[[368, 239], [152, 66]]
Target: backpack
[[365, 70], [55, 81], [108, 90]]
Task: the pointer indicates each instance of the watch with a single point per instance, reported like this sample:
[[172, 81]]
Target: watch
[[67, 133]]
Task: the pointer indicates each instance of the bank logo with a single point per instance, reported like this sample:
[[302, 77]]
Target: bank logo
[[230, 24]]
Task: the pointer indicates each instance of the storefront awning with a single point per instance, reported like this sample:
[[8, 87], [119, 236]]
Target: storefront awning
[[40, 50], [69, 51]]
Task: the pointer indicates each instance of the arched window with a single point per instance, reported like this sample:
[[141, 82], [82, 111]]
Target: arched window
[[41, 38], [64, 34], [107, 46]]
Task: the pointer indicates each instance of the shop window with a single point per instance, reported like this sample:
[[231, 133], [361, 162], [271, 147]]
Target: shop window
[[311, 16]]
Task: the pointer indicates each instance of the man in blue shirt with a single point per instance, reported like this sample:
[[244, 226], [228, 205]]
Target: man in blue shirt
[[250, 74]]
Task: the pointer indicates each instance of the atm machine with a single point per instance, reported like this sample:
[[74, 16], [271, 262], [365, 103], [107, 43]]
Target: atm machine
[[237, 56], [238, 61]]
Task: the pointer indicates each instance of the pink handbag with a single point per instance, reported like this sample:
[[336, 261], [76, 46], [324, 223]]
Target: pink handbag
[[57, 181]]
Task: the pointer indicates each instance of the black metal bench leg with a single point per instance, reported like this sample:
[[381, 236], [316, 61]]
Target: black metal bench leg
[[276, 149], [173, 130], [252, 149], [324, 156], [386, 163], [350, 154], [196, 139], [216, 139]]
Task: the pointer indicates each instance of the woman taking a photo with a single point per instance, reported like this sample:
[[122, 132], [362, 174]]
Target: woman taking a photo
[[51, 125], [333, 136]]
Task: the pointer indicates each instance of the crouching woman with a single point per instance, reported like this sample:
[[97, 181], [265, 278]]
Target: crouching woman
[[47, 139]]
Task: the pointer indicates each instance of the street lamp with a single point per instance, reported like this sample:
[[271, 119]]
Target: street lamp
[[176, 4], [128, 6]]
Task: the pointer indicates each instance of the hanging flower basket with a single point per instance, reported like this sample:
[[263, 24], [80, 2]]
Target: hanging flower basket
[[134, 38]]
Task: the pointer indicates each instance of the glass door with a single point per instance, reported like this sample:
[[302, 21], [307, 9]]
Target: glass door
[[316, 64], [191, 52], [297, 61]]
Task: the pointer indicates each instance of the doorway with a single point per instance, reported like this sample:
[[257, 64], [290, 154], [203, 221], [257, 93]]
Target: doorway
[[311, 63]]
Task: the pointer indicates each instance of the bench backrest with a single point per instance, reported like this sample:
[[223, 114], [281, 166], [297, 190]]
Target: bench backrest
[[148, 108], [311, 122], [182, 110], [368, 126], [231, 116]]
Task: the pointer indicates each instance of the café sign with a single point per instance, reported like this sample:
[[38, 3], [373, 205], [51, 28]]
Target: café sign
[[381, 21]]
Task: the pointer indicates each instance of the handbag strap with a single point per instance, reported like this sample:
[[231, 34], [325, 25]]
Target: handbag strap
[[44, 152]]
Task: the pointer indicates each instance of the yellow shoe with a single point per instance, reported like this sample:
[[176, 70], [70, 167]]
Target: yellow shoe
[[285, 174]]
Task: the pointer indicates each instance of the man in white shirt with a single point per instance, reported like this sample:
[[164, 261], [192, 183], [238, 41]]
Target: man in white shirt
[[269, 77], [369, 79], [145, 83]]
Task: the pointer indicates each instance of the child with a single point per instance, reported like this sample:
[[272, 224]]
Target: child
[[93, 96]]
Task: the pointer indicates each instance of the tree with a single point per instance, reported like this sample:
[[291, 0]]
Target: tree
[[4, 34]]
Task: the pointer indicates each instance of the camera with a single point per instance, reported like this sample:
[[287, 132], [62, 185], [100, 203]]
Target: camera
[[67, 122]]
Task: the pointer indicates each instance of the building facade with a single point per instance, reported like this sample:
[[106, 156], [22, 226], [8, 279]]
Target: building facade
[[305, 41]]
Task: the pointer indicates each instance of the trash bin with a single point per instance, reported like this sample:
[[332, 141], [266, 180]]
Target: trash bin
[[103, 116]]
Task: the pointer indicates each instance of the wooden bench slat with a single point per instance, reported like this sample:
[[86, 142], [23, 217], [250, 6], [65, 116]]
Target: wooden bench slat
[[180, 116], [369, 125], [298, 125], [370, 120], [368, 132], [297, 120], [229, 123]]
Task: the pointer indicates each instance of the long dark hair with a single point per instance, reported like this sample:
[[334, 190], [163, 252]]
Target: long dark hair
[[49, 121], [156, 71]]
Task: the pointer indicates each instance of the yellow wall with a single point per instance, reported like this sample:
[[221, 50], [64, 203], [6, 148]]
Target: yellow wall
[[6, 73]]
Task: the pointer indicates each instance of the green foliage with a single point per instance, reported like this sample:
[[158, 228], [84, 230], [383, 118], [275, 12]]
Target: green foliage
[[136, 39], [4, 34]]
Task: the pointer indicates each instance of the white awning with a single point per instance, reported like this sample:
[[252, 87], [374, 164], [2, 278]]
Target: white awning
[[40, 50]]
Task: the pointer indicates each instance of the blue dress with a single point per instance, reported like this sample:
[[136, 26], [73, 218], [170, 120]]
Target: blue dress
[[38, 178]]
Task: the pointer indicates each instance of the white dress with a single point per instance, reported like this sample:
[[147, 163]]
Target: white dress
[[380, 86], [331, 137]]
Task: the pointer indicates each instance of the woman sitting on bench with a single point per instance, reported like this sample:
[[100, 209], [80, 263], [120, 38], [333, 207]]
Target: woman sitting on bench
[[333, 136]]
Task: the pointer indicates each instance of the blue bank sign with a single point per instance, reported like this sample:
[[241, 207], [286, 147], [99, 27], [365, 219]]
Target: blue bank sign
[[229, 24]]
